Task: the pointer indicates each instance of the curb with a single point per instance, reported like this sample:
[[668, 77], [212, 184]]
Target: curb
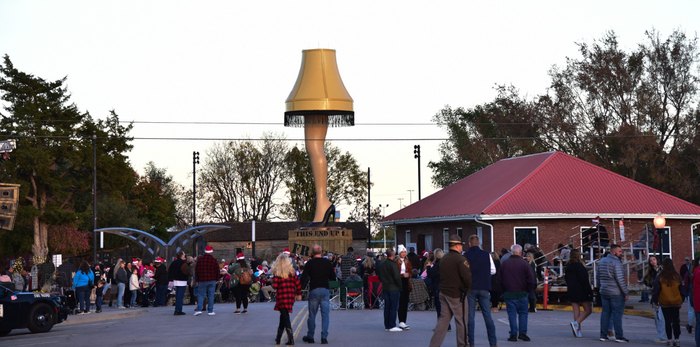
[[99, 317]]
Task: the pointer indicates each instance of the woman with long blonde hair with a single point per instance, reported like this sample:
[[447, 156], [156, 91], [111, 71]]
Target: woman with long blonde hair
[[288, 289]]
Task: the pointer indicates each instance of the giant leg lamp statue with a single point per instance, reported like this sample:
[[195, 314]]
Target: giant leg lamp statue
[[319, 99]]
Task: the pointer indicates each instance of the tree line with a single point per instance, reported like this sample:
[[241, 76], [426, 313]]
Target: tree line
[[634, 112]]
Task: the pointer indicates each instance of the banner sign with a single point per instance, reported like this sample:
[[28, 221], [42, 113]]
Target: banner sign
[[331, 239]]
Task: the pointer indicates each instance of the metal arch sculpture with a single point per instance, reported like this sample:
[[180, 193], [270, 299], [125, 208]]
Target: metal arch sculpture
[[153, 244], [190, 235], [157, 247]]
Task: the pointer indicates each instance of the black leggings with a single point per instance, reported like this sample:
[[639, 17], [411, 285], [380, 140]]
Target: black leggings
[[241, 293], [403, 300], [285, 323], [673, 321]]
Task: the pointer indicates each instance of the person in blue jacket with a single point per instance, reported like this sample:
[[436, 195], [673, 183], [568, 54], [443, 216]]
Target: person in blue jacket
[[82, 284]]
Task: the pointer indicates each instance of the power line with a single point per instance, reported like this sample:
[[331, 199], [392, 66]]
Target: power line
[[14, 136]]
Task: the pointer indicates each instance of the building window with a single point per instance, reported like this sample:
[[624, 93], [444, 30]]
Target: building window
[[523, 235], [408, 237], [445, 239], [428, 243]]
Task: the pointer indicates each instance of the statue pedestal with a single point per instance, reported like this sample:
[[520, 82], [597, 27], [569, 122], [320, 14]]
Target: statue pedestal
[[332, 239]]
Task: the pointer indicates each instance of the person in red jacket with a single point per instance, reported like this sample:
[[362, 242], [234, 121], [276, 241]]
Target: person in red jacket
[[288, 288]]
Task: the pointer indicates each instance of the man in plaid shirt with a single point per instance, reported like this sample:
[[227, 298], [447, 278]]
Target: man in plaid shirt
[[206, 274]]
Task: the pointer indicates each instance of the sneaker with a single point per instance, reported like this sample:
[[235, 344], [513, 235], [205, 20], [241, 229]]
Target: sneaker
[[523, 337], [669, 343], [621, 340], [197, 313], [307, 339], [579, 333], [603, 338], [98, 311], [395, 329], [324, 341], [121, 307], [574, 327], [404, 326], [660, 340], [244, 311], [212, 313], [180, 313], [513, 338]]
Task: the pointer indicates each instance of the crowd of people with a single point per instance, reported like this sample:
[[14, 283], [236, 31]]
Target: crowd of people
[[457, 279]]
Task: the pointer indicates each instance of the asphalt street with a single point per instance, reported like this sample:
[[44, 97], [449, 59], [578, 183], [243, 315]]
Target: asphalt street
[[158, 327]]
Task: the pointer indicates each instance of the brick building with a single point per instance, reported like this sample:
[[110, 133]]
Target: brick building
[[546, 199]]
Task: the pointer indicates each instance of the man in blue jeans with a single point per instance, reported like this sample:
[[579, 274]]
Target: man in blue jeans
[[482, 268], [517, 279], [317, 273], [388, 273], [613, 293], [206, 273]]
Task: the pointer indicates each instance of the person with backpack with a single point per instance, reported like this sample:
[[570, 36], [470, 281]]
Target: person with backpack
[[667, 294], [242, 279]]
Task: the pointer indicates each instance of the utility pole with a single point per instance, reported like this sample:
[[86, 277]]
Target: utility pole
[[195, 161], [400, 202], [416, 154], [369, 209], [94, 198], [410, 196]]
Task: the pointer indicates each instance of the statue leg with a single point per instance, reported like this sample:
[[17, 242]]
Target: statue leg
[[315, 129]]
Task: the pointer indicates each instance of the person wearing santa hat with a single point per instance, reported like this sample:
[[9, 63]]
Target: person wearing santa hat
[[206, 274], [161, 277], [243, 278]]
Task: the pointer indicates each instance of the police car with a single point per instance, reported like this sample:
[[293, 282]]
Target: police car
[[38, 312]]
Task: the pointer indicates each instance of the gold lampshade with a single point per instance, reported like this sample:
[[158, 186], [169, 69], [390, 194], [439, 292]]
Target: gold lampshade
[[319, 91]]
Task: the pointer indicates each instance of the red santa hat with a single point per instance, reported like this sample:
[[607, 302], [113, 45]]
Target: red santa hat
[[261, 268], [240, 256], [426, 253], [160, 260], [208, 249], [134, 260], [286, 251]]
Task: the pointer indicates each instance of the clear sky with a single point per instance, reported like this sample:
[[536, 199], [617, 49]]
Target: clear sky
[[236, 61]]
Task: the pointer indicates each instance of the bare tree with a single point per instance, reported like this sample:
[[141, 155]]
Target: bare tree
[[239, 179]]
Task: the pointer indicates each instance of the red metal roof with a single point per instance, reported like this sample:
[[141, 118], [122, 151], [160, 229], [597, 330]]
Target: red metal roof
[[545, 183]]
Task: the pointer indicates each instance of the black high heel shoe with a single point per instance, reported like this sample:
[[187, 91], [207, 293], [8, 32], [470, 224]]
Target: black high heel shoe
[[329, 216]]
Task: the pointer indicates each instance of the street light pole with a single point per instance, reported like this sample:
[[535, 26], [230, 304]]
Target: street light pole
[[660, 225], [410, 196], [384, 206], [416, 154], [195, 161]]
